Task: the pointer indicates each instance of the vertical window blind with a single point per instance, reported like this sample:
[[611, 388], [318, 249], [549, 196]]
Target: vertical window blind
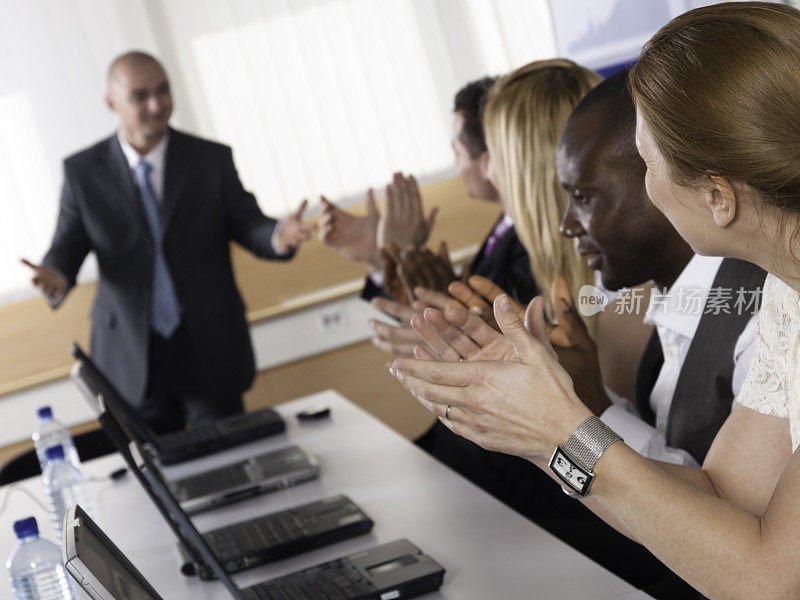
[[315, 96]]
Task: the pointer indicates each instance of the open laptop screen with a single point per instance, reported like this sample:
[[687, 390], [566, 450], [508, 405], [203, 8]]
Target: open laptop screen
[[115, 403], [186, 531], [99, 561], [119, 436]]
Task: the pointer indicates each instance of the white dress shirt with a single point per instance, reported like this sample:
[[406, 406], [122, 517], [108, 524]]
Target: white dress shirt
[[676, 327], [157, 158]]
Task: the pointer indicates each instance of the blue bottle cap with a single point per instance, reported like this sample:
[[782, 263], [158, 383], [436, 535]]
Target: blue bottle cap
[[55, 452], [45, 412], [26, 528]]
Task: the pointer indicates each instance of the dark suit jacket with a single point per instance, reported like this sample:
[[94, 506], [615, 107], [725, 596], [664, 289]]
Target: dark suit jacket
[[508, 266], [204, 207]]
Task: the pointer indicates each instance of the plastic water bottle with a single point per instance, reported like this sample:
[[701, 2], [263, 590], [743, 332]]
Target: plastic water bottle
[[64, 487], [35, 566], [49, 432]]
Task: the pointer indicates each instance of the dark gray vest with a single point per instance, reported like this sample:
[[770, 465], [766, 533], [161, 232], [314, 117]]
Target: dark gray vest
[[703, 396]]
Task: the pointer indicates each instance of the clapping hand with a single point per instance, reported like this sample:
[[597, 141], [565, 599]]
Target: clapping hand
[[478, 295], [403, 222], [400, 339], [422, 268], [51, 283], [436, 299], [404, 270], [293, 231], [525, 406], [351, 236], [459, 331], [395, 284], [456, 335], [576, 350]]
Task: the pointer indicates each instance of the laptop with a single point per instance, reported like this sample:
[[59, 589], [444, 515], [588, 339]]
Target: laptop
[[198, 439], [265, 539], [211, 488], [97, 565], [261, 540], [281, 534], [396, 570]]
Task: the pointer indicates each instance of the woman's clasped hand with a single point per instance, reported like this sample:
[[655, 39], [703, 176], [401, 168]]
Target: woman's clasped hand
[[524, 404]]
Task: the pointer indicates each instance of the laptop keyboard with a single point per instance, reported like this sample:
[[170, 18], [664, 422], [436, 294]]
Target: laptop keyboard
[[206, 437], [255, 536], [336, 580], [285, 533], [210, 482], [197, 433], [260, 468]]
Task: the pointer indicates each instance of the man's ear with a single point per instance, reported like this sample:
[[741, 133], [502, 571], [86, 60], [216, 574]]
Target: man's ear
[[483, 163], [109, 102], [721, 200]]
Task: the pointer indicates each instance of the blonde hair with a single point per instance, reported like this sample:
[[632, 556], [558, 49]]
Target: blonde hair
[[525, 114], [719, 89]]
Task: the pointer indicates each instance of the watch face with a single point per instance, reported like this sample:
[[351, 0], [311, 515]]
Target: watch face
[[570, 473]]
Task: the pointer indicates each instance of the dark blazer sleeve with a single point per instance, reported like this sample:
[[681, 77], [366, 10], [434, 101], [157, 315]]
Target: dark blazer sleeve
[[508, 266], [247, 225], [370, 290], [70, 243]]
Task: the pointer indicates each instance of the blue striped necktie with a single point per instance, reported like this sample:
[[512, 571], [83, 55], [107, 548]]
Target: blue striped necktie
[[165, 313]]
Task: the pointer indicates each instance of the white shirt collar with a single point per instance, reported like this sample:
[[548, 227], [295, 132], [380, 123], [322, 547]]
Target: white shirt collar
[[677, 308], [155, 157]]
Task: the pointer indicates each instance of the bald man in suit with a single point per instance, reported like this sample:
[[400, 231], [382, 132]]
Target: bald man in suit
[[159, 208]]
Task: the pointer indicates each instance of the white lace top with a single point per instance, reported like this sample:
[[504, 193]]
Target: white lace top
[[772, 386]]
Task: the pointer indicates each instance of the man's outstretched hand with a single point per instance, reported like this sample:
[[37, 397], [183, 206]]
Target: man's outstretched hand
[[293, 231], [51, 283]]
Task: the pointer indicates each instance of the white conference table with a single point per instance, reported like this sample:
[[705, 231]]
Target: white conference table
[[488, 550]]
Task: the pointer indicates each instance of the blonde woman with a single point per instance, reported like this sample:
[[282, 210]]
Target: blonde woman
[[524, 116], [717, 91]]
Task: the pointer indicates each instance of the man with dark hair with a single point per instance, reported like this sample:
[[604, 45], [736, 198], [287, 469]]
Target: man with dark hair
[[468, 139], [501, 258], [469, 102], [700, 350], [159, 208]]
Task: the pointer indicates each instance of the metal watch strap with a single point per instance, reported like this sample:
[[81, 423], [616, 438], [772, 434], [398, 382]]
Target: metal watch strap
[[588, 442]]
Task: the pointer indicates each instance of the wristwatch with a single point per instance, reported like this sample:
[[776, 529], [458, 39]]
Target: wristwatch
[[574, 461]]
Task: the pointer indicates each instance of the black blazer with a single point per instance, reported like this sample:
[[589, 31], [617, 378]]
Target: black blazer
[[204, 208], [508, 266]]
